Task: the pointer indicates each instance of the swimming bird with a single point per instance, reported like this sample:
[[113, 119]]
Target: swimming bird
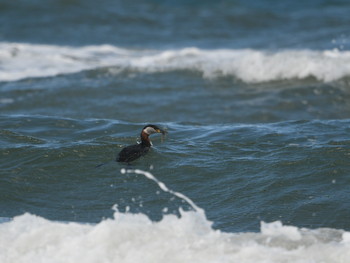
[[133, 152]]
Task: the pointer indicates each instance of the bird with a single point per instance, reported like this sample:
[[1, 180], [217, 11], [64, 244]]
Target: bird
[[132, 152]]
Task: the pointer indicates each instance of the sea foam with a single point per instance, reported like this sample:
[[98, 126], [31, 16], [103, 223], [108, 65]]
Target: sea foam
[[135, 238], [189, 238], [21, 60]]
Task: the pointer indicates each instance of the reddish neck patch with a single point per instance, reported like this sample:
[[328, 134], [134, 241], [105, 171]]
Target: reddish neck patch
[[145, 139]]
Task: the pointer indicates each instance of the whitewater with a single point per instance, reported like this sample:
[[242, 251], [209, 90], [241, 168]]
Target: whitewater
[[190, 237], [24, 60]]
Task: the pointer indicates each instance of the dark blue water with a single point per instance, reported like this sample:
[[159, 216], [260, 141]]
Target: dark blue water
[[162, 24], [255, 97]]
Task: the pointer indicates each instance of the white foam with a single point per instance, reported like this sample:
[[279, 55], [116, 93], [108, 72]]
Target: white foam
[[277, 229], [134, 238], [21, 60], [253, 65]]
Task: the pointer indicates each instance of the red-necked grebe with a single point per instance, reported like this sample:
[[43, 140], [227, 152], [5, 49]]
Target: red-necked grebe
[[132, 152]]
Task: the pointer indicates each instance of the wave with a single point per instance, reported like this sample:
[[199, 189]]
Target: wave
[[189, 238], [20, 60]]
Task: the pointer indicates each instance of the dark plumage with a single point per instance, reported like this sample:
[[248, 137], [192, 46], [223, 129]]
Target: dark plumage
[[133, 152]]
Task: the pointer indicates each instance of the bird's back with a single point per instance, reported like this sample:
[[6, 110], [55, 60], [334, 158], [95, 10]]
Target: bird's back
[[132, 152]]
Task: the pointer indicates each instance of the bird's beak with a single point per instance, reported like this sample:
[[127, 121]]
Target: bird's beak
[[161, 131]]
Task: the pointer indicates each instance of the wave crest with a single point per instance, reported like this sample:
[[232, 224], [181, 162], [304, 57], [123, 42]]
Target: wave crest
[[19, 61], [134, 238]]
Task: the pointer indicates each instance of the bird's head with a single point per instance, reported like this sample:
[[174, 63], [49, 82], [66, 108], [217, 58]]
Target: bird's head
[[150, 129]]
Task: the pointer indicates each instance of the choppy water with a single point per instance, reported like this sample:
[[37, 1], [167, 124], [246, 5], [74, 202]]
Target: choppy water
[[255, 97]]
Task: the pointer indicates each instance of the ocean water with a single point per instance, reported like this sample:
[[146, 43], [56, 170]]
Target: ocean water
[[254, 95]]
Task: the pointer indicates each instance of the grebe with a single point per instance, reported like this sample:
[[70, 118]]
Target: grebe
[[132, 152]]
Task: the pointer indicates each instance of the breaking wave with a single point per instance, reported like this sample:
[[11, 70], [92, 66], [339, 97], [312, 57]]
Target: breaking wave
[[21, 60], [189, 238], [134, 238]]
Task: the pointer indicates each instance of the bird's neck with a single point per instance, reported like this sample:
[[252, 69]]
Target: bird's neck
[[145, 139]]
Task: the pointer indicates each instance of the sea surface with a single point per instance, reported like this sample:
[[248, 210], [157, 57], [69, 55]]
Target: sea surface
[[254, 95]]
